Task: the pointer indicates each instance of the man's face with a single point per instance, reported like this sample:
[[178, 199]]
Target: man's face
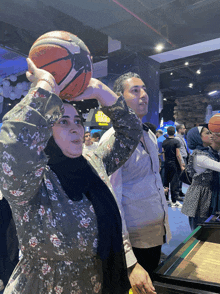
[[87, 138], [182, 130], [136, 97], [158, 134]]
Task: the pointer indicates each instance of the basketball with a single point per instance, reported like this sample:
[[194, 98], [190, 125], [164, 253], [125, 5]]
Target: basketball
[[67, 58], [214, 123]]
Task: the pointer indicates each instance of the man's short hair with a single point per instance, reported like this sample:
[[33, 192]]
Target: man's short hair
[[96, 135], [159, 131], [171, 131], [119, 83], [178, 127]]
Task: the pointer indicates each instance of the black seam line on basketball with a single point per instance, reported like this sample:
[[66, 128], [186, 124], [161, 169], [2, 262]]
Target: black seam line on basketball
[[46, 43], [75, 77], [72, 61], [82, 84], [54, 61]]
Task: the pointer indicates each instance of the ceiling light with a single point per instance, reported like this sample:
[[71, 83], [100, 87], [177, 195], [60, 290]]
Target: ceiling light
[[212, 92], [159, 47], [198, 71], [190, 85], [186, 63], [171, 73], [165, 99]]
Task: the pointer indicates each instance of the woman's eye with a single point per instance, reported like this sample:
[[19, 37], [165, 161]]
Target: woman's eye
[[77, 121], [63, 122]]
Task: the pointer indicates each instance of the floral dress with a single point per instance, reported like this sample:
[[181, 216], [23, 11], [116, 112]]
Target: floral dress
[[57, 237]]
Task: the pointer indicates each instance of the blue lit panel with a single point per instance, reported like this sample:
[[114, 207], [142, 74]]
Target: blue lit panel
[[11, 63]]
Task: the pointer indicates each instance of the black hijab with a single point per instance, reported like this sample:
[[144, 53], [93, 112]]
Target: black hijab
[[78, 177]]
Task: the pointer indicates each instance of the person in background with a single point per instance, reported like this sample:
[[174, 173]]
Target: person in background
[[181, 130], [88, 145], [173, 165], [95, 137], [160, 139], [67, 219], [159, 133], [198, 204], [140, 194]]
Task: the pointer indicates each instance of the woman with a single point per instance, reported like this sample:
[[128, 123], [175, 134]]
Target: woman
[[201, 165], [67, 220]]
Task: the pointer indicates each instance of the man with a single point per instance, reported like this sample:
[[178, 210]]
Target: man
[[88, 144], [159, 133], [183, 151], [173, 165], [96, 137], [160, 139], [140, 195]]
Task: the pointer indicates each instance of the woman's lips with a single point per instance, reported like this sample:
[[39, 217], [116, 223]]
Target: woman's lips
[[77, 141]]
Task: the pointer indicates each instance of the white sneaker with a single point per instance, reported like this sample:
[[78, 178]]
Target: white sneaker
[[176, 204]]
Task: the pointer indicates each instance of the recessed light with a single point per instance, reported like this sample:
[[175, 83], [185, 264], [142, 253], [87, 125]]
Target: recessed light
[[159, 47], [186, 63], [165, 99], [198, 71], [171, 73], [190, 85]]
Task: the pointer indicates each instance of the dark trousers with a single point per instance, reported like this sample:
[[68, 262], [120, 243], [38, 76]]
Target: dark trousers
[[180, 182], [171, 177], [148, 258], [162, 171]]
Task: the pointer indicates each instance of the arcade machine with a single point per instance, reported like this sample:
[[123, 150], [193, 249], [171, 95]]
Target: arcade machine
[[194, 266]]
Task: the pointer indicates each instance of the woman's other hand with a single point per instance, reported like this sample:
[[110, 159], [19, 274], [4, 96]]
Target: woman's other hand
[[41, 78], [97, 90]]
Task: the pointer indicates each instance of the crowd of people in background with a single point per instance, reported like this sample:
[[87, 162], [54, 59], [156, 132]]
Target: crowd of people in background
[[144, 185]]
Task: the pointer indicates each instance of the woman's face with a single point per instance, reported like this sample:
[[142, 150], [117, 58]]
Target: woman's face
[[206, 137], [68, 132]]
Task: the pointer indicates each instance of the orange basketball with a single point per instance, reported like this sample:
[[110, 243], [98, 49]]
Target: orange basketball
[[67, 58], [214, 123]]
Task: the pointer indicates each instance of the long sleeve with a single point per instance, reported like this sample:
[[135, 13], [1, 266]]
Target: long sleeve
[[116, 181], [202, 161], [127, 133], [24, 134]]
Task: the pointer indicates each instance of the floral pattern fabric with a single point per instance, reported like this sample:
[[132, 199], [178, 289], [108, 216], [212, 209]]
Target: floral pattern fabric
[[58, 237]]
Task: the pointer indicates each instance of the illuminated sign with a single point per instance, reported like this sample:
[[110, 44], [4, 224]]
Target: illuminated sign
[[101, 118]]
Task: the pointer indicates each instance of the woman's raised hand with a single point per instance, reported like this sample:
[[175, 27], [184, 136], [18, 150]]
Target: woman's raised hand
[[41, 78], [97, 90]]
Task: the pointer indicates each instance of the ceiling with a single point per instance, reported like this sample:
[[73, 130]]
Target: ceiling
[[139, 24]]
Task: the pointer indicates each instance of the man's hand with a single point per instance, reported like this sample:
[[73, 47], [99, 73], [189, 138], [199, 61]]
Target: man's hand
[[140, 281]]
